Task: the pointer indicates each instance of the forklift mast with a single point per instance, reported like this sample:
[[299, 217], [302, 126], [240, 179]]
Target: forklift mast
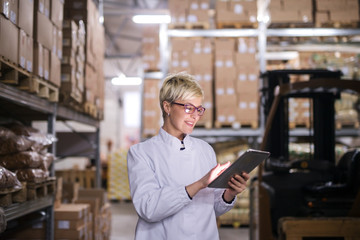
[[322, 113]]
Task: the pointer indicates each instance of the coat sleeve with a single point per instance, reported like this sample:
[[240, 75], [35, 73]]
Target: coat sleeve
[[220, 206], [152, 202]]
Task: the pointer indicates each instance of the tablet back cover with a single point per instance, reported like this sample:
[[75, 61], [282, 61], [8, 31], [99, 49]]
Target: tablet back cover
[[245, 163]]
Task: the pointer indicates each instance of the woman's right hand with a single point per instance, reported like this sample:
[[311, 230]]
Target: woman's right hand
[[193, 188], [214, 173]]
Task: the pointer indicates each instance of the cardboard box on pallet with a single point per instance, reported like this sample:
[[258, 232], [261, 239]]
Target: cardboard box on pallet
[[42, 28], [9, 8], [26, 16], [9, 38], [55, 70], [94, 193], [248, 107], [25, 51], [178, 10], [46, 63], [57, 12], [38, 60]]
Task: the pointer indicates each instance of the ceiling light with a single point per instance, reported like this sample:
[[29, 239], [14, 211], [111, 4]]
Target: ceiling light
[[151, 19], [126, 81]]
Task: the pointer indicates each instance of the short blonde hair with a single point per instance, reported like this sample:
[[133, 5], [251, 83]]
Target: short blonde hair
[[179, 86]]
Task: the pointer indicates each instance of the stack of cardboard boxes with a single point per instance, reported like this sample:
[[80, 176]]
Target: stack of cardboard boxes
[[335, 11], [195, 56], [31, 36], [150, 48], [190, 12], [152, 119], [236, 11], [72, 71], [86, 69], [236, 82], [291, 11], [86, 215]]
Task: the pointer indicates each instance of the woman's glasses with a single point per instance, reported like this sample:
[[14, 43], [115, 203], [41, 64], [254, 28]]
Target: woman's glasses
[[190, 109]]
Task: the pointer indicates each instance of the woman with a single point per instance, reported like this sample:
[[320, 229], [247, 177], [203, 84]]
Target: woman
[[169, 173]]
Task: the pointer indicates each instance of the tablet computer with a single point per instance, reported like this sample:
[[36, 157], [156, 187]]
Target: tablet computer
[[245, 163]]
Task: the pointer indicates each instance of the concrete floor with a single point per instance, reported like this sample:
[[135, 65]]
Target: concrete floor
[[124, 220]]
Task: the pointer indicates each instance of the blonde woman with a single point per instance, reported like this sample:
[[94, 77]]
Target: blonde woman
[[169, 173]]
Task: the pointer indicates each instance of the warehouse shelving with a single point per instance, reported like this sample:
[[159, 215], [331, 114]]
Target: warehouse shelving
[[27, 107], [266, 53]]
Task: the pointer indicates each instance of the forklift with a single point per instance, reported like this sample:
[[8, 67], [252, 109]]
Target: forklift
[[316, 186]]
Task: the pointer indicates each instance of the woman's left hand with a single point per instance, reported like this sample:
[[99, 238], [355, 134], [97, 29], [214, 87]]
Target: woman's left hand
[[237, 185]]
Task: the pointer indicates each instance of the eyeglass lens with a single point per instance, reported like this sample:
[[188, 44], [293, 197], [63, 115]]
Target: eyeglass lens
[[191, 109]]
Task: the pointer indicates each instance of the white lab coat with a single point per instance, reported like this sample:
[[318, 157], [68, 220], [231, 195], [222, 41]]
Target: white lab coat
[[158, 173]]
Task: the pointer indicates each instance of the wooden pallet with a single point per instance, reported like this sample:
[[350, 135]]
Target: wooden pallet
[[85, 178], [190, 25], [237, 124], [237, 25], [11, 74], [206, 124], [90, 109], [11, 196], [292, 25], [293, 125], [42, 189], [338, 24], [342, 125]]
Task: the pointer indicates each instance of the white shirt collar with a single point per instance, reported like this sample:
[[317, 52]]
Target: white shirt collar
[[174, 141]]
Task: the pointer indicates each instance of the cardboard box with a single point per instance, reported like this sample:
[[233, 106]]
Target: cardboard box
[[30, 53], [55, 70], [71, 211], [10, 10], [39, 6], [9, 39], [70, 233], [26, 16], [42, 30], [94, 193], [46, 63], [57, 12], [70, 224], [22, 48]]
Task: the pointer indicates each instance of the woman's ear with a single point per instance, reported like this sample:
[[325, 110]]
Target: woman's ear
[[166, 106]]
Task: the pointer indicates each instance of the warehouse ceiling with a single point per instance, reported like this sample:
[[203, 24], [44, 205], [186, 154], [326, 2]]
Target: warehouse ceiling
[[123, 36]]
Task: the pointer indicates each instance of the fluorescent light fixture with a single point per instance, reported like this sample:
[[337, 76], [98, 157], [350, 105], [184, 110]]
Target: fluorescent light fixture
[[126, 81], [151, 19]]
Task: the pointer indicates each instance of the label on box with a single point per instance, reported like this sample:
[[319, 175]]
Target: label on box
[[204, 5], [229, 63], [238, 9], [22, 62], [198, 77], [29, 66], [13, 17], [230, 91], [219, 63], [220, 91], [242, 77], [194, 6], [221, 118], [6, 8], [252, 105], [243, 105], [184, 63], [231, 118], [207, 77]]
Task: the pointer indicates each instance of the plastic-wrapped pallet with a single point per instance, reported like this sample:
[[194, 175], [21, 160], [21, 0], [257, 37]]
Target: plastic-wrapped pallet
[[118, 183]]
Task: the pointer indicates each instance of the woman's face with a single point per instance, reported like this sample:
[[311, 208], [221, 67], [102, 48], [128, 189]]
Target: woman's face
[[179, 122]]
